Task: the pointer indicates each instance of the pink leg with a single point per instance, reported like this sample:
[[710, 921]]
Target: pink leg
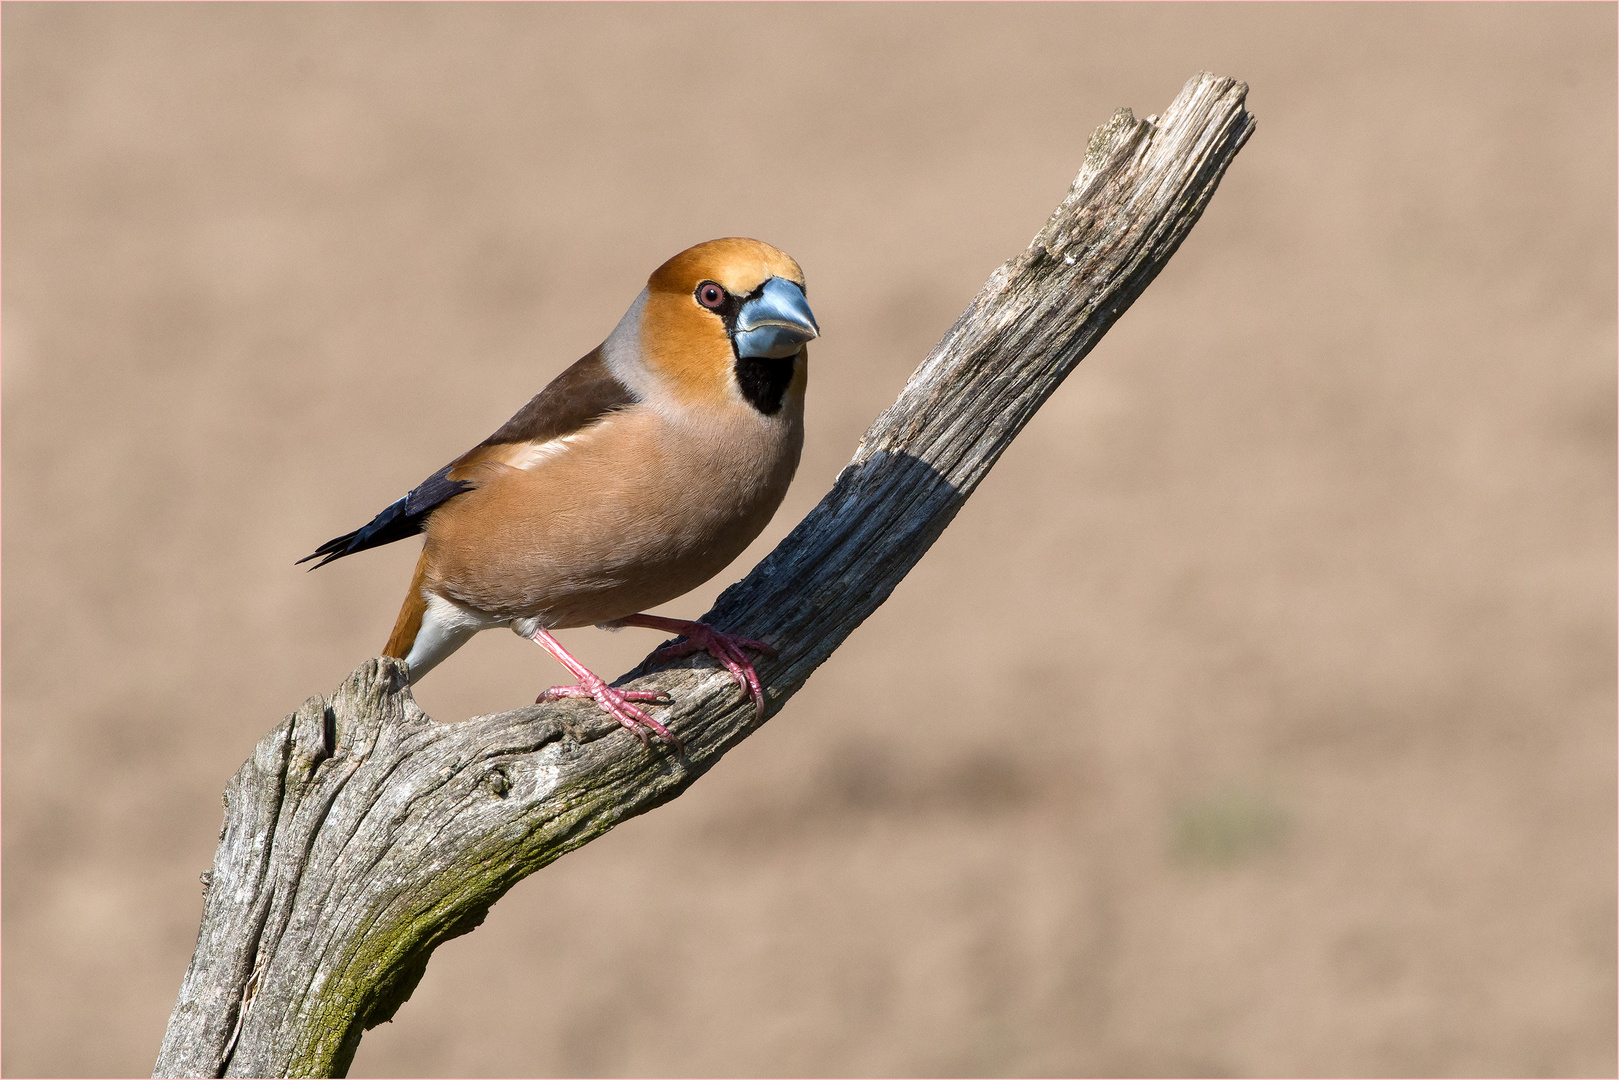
[[613, 702], [726, 648]]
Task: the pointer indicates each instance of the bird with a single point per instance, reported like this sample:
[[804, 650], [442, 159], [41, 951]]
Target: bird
[[636, 475]]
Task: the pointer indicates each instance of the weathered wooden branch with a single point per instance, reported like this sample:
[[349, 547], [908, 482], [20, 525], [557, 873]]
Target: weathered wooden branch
[[362, 833]]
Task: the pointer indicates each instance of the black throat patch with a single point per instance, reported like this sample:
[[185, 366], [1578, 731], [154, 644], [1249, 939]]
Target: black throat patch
[[764, 380]]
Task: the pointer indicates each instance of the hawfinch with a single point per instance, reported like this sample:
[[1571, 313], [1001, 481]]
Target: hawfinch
[[637, 474]]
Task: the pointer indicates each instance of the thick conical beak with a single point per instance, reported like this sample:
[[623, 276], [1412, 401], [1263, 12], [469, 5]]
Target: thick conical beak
[[775, 323]]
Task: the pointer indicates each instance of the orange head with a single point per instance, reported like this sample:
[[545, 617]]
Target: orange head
[[726, 321]]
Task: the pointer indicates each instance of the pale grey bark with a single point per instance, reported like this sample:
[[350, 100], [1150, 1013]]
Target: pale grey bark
[[362, 833]]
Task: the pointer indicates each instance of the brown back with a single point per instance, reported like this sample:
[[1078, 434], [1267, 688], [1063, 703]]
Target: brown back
[[578, 397]]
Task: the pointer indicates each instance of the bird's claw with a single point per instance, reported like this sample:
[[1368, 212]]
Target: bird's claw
[[727, 649], [618, 704]]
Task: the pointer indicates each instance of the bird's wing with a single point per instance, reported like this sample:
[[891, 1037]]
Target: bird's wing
[[574, 400]]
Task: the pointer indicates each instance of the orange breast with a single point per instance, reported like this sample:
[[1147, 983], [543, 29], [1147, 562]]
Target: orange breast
[[634, 513]]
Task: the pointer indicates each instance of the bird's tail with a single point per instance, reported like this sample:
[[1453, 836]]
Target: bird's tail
[[409, 623]]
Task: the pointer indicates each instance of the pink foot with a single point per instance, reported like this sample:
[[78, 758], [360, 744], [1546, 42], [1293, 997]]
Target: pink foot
[[612, 701], [726, 648], [616, 703], [557, 693]]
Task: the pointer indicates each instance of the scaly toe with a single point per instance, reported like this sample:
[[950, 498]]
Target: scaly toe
[[727, 649], [557, 693], [616, 703], [757, 646]]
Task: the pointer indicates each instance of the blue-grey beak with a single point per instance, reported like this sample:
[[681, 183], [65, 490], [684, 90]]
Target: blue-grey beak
[[775, 323]]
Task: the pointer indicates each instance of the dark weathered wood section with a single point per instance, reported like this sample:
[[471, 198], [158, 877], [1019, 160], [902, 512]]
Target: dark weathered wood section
[[362, 833]]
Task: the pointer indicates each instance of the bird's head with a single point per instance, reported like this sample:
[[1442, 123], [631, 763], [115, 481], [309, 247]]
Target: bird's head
[[727, 321]]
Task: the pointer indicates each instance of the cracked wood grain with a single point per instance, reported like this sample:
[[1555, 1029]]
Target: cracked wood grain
[[361, 834]]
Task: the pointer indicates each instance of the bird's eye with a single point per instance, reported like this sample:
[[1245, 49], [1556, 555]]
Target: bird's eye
[[710, 295]]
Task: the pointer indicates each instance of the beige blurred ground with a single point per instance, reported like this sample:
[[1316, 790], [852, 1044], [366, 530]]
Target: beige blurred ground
[[1255, 717]]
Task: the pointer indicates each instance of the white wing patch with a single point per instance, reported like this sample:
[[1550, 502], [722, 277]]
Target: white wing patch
[[528, 455]]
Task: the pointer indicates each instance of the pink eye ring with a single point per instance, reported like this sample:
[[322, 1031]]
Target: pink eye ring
[[710, 295]]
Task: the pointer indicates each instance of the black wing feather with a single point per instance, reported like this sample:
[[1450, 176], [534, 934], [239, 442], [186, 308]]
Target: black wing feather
[[578, 397], [403, 517]]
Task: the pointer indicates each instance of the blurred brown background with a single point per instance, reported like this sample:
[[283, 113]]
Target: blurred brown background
[[1255, 717]]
